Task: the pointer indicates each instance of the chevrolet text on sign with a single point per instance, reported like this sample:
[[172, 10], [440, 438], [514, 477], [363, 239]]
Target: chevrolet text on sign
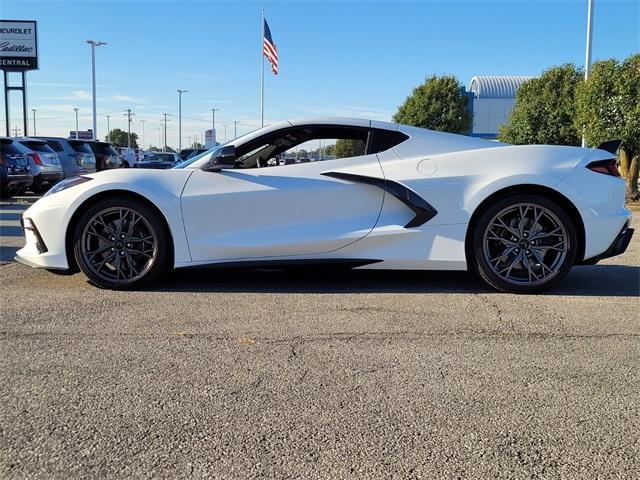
[[18, 45]]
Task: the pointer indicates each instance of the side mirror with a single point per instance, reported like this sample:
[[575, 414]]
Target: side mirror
[[224, 158]]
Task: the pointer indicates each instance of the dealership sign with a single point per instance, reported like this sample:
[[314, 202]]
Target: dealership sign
[[81, 134], [209, 138], [18, 45]]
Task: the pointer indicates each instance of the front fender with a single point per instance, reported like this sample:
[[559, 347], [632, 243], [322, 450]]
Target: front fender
[[53, 213]]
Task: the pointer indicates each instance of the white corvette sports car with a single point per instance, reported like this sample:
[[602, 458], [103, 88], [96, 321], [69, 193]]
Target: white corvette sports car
[[369, 195]]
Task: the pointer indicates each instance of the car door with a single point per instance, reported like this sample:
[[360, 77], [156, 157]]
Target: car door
[[280, 210]]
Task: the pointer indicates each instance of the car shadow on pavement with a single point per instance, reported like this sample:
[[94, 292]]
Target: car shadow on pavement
[[597, 280]]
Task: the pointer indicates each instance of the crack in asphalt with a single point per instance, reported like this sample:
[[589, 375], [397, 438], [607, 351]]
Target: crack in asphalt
[[497, 309]]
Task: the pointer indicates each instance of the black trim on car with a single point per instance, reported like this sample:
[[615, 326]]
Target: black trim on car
[[422, 209], [40, 245], [287, 264], [617, 247], [611, 146]]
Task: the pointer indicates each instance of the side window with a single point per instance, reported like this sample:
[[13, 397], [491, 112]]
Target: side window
[[313, 143], [382, 140], [55, 145]]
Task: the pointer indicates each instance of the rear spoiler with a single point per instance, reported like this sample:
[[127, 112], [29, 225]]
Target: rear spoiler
[[612, 146]]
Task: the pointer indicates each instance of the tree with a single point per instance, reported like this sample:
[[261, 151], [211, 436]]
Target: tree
[[544, 112], [440, 103], [345, 148], [608, 108], [119, 138]]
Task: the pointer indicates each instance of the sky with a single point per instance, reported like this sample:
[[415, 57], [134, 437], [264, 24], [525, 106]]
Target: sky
[[342, 58]]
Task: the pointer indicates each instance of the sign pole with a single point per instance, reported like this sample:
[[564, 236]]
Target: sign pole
[[25, 120], [6, 103], [19, 40]]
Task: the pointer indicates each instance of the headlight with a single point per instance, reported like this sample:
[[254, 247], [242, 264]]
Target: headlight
[[67, 183]]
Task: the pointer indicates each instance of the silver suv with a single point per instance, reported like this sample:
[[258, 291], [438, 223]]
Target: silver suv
[[45, 164], [75, 155]]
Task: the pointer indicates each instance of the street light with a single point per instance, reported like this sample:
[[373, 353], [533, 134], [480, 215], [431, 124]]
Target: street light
[[142, 121], [94, 44], [76, 110], [108, 130], [587, 60], [34, 121], [213, 122], [235, 128], [180, 92]]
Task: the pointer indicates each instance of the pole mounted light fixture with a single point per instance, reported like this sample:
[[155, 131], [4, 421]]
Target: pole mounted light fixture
[[180, 92], [76, 110], [34, 121], [587, 60], [94, 44]]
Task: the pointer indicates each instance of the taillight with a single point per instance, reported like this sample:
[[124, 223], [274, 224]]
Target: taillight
[[608, 167], [3, 161], [36, 158]]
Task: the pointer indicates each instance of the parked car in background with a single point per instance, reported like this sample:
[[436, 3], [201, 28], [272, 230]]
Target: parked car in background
[[130, 156], [15, 172], [75, 155], [160, 160], [44, 162], [187, 153], [106, 155]]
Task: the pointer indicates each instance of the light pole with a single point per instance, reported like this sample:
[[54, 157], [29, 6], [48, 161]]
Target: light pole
[[142, 121], [180, 92], [94, 44], [164, 147], [213, 123], [587, 60], [34, 121], [235, 128], [128, 114], [76, 110], [108, 130]]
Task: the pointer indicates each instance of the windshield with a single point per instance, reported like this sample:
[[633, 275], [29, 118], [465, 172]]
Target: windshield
[[211, 151], [191, 160]]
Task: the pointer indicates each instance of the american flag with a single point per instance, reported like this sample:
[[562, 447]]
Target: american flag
[[269, 49]]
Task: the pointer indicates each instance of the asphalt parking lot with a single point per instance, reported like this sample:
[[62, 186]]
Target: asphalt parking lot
[[318, 374]]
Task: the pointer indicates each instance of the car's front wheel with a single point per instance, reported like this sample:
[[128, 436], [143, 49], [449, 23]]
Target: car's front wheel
[[121, 244], [524, 244]]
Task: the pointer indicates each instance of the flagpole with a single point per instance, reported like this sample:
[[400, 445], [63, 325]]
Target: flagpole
[[262, 71]]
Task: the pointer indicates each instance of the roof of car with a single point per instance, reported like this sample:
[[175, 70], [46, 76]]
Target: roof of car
[[343, 121], [29, 139]]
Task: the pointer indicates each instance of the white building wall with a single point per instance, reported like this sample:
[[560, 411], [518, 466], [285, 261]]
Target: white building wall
[[490, 113]]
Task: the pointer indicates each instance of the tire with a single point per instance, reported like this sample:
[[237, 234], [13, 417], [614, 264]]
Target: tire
[[524, 256], [121, 244], [40, 189]]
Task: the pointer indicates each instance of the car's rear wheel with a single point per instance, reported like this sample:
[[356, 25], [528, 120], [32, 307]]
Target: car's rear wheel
[[121, 244], [524, 244]]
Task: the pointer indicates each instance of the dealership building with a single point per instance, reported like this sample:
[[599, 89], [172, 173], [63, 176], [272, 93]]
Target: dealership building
[[491, 100]]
